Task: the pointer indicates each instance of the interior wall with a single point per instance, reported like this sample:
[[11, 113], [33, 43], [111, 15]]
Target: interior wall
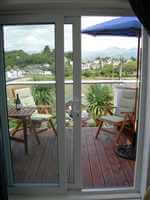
[[67, 7]]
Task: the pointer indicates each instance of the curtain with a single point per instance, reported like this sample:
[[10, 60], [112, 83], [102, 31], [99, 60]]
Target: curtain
[[142, 11], [3, 181]]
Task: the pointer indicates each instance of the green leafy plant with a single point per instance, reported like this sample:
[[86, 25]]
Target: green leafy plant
[[44, 95], [99, 98]]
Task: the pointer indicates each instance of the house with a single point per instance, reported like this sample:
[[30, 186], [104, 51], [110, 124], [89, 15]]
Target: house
[[58, 12]]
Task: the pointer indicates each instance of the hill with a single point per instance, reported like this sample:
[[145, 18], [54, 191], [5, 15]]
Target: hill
[[110, 52]]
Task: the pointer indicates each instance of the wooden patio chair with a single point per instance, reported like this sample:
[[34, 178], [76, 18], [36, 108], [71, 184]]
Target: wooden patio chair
[[123, 117], [37, 118]]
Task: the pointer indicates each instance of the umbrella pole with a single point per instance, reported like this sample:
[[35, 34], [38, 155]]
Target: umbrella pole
[[138, 71], [137, 88], [138, 56]]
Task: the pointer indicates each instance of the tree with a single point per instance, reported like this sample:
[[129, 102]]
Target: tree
[[20, 59], [133, 58], [130, 68], [122, 61], [46, 50], [107, 70], [15, 58]]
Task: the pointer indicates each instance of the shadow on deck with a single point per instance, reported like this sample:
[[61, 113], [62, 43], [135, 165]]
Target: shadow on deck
[[100, 166]]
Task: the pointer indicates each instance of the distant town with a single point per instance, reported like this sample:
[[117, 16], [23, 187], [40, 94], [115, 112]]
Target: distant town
[[20, 64]]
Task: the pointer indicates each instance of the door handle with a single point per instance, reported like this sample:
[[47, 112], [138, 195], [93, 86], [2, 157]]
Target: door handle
[[76, 108]]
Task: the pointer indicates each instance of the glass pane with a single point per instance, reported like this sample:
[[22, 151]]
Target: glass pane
[[69, 98], [30, 73], [105, 61]]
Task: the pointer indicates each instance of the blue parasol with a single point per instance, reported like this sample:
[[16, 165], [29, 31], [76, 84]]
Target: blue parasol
[[122, 26]]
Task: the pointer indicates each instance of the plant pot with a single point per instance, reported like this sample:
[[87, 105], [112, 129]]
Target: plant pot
[[97, 122], [43, 110]]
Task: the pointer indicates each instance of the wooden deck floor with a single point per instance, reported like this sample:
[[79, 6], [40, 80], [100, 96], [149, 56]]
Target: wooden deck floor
[[100, 167]]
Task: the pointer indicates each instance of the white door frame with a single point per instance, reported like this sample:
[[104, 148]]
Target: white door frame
[[59, 46], [60, 109], [144, 128], [75, 21], [3, 113], [77, 102], [143, 164]]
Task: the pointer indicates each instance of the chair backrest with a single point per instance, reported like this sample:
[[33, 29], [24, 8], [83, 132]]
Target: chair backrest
[[127, 101], [10, 102], [25, 96]]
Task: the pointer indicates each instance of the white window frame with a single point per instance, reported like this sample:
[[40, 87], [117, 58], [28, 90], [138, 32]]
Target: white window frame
[[144, 153], [59, 21]]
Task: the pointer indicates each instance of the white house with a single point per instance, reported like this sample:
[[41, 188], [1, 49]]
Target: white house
[[14, 74]]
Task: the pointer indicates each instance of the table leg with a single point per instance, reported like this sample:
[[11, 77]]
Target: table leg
[[25, 136]]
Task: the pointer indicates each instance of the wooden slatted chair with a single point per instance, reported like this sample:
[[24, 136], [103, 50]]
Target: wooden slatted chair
[[37, 118], [124, 116]]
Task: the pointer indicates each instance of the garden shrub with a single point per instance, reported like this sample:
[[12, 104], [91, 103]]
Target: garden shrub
[[99, 98], [44, 95]]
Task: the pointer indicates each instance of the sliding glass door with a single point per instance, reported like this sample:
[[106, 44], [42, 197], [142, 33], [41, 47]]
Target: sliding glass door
[[29, 68], [41, 65]]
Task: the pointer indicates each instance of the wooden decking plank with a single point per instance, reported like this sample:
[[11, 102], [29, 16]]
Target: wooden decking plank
[[109, 178], [40, 172], [18, 167], [101, 168], [52, 168], [49, 163], [128, 169], [116, 167], [24, 161], [85, 165], [35, 162], [96, 171], [128, 172]]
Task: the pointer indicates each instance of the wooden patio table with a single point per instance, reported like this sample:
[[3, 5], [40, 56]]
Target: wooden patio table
[[25, 116]]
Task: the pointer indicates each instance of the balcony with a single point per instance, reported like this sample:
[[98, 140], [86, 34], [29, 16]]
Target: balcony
[[100, 166]]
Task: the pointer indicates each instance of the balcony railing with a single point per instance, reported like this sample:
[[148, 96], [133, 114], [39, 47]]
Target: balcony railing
[[69, 88], [71, 82]]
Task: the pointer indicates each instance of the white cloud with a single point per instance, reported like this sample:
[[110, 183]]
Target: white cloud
[[33, 38], [103, 42], [30, 38], [100, 43]]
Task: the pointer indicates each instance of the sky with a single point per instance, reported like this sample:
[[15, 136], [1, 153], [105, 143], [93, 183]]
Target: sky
[[104, 42], [33, 38]]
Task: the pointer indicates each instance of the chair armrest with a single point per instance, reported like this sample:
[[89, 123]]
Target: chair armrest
[[126, 112], [39, 106], [110, 109], [129, 116]]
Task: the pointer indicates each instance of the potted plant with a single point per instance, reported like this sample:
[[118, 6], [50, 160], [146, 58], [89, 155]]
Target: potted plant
[[44, 97], [100, 99]]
